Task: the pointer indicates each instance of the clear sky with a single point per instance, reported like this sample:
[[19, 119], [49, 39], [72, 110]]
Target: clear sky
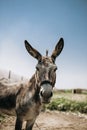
[[42, 23]]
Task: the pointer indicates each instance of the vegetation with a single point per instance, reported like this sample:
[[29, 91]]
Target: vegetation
[[67, 101], [2, 117], [66, 104]]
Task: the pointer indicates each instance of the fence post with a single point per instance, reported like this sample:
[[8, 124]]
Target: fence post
[[22, 78], [9, 75]]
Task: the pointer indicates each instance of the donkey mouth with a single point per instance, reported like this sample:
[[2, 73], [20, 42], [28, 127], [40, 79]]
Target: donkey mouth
[[45, 101]]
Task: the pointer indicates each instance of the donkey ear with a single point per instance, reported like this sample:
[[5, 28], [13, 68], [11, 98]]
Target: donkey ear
[[33, 52], [58, 49]]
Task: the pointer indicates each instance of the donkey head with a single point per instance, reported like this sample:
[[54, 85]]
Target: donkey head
[[45, 75]]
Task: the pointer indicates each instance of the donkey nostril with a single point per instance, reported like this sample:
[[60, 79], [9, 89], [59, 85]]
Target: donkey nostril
[[51, 94], [41, 93]]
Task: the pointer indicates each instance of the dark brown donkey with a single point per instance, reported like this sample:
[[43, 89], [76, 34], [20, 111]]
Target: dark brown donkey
[[26, 98]]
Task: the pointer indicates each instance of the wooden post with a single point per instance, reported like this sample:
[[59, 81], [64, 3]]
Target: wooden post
[[22, 78], [9, 75]]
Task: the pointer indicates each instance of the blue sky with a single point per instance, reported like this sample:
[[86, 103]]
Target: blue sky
[[42, 23]]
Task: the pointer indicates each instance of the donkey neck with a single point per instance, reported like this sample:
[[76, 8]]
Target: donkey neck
[[32, 83], [32, 86]]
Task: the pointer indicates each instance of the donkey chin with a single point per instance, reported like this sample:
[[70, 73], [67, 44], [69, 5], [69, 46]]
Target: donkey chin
[[46, 92]]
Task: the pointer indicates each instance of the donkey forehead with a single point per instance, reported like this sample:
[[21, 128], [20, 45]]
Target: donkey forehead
[[47, 60]]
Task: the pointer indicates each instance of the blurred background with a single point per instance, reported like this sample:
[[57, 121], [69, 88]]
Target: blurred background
[[43, 23]]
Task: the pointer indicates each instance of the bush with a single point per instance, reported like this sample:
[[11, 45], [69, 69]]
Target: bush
[[2, 117], [62, 104]]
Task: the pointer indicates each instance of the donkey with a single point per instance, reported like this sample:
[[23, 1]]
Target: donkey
[[26, 99]]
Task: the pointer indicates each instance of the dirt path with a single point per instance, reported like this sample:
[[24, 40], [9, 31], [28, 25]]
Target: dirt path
[[52, 120]]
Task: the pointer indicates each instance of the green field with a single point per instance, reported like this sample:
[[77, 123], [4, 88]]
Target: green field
[[68, 102]]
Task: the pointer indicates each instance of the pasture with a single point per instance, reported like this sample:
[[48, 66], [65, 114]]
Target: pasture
[[56, 119], [67, 101]]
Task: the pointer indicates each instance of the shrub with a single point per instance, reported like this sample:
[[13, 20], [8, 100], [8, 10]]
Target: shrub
[[63, 104], [2, 117]]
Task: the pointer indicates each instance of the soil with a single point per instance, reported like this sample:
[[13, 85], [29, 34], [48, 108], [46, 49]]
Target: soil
[[51, 120]]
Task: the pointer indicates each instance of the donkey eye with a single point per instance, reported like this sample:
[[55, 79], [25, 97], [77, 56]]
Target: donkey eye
[[37, 68], [40, 62], [55, 68]]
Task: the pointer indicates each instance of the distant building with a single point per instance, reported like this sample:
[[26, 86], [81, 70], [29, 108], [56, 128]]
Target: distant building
[[76, 91]]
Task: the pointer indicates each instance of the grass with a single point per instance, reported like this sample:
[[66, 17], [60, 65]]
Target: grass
[[2, 117], [63, 104], [69, 102], [68, 95]]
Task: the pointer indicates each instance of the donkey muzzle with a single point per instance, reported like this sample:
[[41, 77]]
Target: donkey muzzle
[[46, 91]]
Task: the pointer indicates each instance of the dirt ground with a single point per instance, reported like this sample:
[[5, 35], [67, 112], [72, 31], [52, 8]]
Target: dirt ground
[[51, 120]]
